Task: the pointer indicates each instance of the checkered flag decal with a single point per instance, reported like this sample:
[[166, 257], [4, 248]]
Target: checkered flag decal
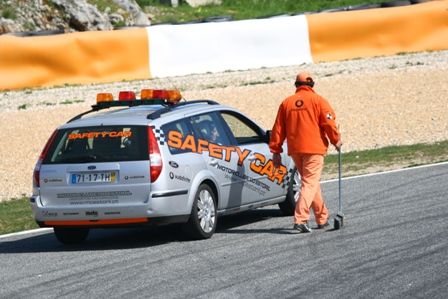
[[287, 179], [160, 136]]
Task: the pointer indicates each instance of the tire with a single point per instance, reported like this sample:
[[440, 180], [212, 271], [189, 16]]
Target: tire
[[203, 217], [70, 236], [289, 205]]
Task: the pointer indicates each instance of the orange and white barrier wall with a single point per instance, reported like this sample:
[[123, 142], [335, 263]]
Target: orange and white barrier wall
[[174, 50], [382, 31]]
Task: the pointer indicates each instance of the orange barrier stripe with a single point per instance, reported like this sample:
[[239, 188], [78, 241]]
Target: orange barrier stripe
[[96, 222], [375, 32], [73, 58]]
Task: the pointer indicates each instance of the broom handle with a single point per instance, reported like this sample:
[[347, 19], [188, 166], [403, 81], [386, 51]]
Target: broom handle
[[340, 179]]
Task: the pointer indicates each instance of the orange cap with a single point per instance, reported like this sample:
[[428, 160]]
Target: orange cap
[[304, 77]]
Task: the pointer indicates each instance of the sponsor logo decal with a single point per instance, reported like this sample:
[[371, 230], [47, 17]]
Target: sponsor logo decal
[[49, 214], [92, 213], [104, 134], [179, 177], [259, 165], [134, 177], [94, 198], [52, 180], [182, 178], [112, 213], [70, 213], [173, 164], [255, 185]]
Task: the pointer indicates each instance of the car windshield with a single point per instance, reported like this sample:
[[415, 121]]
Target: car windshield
[[99, 144]]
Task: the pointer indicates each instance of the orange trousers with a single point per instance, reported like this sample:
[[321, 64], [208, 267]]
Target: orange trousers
[[310, 168]]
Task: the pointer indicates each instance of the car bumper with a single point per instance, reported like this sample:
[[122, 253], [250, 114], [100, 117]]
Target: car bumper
[[154, 212]]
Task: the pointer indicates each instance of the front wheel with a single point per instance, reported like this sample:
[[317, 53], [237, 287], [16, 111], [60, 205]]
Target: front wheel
[[289, 205], [203, 217], [71, 235]]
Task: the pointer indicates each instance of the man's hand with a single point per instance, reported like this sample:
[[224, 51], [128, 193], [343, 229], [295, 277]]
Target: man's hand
[[338, 145], [277, 159]]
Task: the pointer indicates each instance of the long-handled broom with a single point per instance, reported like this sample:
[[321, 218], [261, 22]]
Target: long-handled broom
[[339, 218]]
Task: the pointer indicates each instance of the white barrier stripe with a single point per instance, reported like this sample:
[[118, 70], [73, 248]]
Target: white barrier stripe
[[177, 50]]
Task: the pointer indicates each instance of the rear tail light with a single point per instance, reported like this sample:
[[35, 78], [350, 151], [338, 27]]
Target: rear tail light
[[155, 159], [36, 173]]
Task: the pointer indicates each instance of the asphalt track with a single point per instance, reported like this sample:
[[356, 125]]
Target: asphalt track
[[394, 245]]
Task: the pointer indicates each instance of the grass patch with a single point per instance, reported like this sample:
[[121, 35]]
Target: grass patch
[[22, 107], [103, 5], [16, 215], [266, 81], [8, 13], [360, 162], [239, 9], [47, 104], [68, 102]]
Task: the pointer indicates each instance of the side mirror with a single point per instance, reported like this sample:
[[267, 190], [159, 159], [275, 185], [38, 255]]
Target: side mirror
[[267, 136]]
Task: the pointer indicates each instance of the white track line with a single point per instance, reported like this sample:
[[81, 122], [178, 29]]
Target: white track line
[[26, 232], [47, 229]]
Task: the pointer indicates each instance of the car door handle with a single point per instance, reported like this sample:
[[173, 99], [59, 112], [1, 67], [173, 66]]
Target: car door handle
[[213, 162]]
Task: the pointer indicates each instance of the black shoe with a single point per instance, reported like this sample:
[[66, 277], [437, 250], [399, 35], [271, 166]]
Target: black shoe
[[321, 226], [301, 228]]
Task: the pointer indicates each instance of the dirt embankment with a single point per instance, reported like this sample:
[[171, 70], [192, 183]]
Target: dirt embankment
[[380, 101]]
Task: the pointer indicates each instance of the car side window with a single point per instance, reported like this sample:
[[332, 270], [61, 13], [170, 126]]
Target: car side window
[[244, 131], [209, 127], [180, 126]]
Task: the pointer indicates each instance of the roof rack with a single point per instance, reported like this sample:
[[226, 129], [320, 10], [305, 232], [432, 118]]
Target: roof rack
[[166, 109], [130, 103]]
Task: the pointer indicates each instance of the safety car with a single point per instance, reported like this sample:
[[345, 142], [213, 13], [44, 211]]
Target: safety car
[[156, 159]]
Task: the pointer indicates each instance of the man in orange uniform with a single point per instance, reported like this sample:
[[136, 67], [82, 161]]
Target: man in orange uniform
[[306, 120]]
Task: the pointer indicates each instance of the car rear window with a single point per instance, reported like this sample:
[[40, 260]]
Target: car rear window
[[99, 144]]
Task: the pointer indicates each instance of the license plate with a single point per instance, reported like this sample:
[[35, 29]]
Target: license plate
[[93, 177]]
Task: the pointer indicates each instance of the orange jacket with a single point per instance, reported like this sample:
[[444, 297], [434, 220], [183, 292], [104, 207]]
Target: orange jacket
[[305, 119]]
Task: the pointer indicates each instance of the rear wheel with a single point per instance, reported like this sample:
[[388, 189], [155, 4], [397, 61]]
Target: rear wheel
[[203, 217], [71, 235], [289, 205]]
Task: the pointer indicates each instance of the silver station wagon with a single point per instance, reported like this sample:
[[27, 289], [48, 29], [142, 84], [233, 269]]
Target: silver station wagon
[[156, 160]]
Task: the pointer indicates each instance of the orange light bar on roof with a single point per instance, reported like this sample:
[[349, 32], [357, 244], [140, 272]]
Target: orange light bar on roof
[[104, 97], [126, 96], [172, 96]]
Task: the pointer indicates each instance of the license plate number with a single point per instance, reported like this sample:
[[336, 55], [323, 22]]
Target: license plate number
[[93, 177]]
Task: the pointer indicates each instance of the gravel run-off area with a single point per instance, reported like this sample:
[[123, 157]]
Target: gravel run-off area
[[381, 101]]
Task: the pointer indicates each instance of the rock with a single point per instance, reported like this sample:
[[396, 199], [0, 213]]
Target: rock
[[24, 18], [116, 18], [7, 25], [196, 3], [83, 16], [138, 16]]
